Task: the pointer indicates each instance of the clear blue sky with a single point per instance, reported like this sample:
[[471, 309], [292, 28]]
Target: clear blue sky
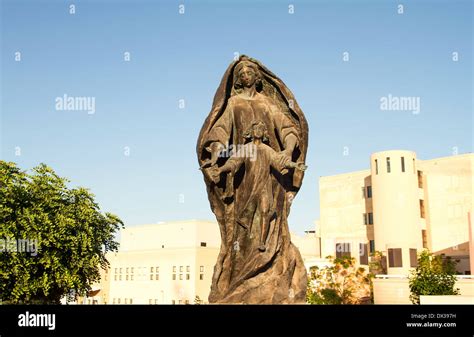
[[177, 56]]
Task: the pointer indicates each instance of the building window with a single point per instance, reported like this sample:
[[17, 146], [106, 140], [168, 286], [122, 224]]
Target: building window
[[188, 269], [365, 218], [388, 164], [186, 302], [187, 276], [420, 179], [126, 301], [403, 164], [156, 301], [422, 209], [201, 275], [180, 276], [173, 302], [370, 218], [180, 269], [395, 257], [343, 250], [372, 246], [126, 277], [424, 238], [113, 301], [174, 277], [131, 277], [413, 258], [203, 244], [155, 272], [363, 254], [118, 300], [376, 167], [174, 269], [369, 191], [150, 301]]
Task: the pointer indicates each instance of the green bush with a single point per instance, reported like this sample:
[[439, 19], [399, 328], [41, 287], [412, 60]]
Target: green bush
[[434, 275]]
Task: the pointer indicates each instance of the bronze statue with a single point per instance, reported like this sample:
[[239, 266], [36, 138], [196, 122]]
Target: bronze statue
[[252, 149]]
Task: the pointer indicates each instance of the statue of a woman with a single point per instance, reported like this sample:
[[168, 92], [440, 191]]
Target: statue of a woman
[[245, 271]]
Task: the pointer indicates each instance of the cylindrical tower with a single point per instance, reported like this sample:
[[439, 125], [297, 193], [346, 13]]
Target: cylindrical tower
[[396, 208]]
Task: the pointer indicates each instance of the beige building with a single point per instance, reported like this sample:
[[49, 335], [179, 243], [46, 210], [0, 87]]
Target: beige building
[[398, 207], [166, 263], [169, 263]]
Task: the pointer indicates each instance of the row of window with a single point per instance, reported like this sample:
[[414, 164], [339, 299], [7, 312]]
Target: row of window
[[344, 250], [155, 273], [122, 301], [389, 169], [150, 301], [389, 166], [395, 257], [394, 254]]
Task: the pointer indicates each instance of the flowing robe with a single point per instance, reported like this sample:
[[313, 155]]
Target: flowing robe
[[243, 274]]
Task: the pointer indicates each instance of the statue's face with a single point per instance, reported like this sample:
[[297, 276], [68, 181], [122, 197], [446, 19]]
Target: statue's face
[[247, 76], [258, 131]]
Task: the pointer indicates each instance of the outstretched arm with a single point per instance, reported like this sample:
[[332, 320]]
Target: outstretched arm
[[231, 165], [299, 166]]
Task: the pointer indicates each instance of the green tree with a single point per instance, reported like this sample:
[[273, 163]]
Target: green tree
[[340, 283], [434, 275], [71, 236]]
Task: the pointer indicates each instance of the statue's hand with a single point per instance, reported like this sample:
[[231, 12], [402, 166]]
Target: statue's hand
[[215, 150], [301, 166]]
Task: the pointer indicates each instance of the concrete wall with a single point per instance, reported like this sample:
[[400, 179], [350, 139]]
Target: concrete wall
[[396, 203], [448, 194], [395, 290], [454, 299], [342, 206]]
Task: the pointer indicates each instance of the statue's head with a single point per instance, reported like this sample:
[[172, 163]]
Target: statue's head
[[257, 130], [246, 75]]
